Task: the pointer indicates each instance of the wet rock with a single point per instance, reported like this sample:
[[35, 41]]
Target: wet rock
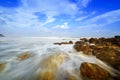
[[84, 39], [46, 75], [24, 56], [57, 43], [82, 46], [106, 54], [90, 71], [93, 40], [71, 78], [70, 42], [2, 66], [79, 45], [49, 66]]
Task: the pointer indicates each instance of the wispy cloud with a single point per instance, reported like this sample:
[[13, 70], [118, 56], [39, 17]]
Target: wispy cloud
[[101, 20]]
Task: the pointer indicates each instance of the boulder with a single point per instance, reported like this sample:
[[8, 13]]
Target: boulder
[[90, 71]]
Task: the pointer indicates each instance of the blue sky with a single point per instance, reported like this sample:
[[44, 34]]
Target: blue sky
[[66, 18]]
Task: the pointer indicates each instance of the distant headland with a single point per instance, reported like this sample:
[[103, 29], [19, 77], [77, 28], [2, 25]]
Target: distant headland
[[1, 35]]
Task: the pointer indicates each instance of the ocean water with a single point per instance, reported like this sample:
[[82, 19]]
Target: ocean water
[[46, 62]]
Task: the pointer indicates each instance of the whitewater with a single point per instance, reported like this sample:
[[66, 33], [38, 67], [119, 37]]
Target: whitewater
[[60, 62]]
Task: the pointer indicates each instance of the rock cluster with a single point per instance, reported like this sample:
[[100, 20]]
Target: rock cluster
[[105, 49]]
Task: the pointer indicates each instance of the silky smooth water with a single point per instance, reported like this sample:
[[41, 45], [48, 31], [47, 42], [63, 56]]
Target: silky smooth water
[[46, 59]]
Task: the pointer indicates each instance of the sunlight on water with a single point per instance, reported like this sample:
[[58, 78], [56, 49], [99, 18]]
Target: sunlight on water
[[39, 59]]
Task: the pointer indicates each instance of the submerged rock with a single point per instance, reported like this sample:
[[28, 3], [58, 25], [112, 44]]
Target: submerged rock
[[90, 71], [24, 56], [2, 66], [50, 65]]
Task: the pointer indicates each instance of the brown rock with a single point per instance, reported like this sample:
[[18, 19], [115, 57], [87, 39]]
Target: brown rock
[[93, 40], [84, 39], [79, 45], [46, 75], [24, 56], [91, 71], [71, 78], [50, 65], [2, 66], [82, 46], [70, 42]]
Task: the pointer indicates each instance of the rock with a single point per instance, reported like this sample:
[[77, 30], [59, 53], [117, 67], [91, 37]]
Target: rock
[[84, 39], [70, 42], [93, 40], [71, 78], [24, 56], [50, 65], [79, 45], [1, 35], [57, 43], [82, 46], [46, 75], [2, 66], [90, 71]]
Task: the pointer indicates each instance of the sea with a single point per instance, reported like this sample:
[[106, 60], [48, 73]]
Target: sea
[[46, 60]]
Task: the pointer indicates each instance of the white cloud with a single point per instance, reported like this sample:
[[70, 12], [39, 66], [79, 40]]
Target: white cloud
[[63, 26], [101, 20], [24, 17], [107, 18], [85, 2]]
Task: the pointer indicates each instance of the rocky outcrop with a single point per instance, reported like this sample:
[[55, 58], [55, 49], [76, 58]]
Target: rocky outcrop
[[91, 71], [105, 49]]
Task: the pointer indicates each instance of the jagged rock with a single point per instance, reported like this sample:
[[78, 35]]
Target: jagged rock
[[90, 71], [24, 56], [2, 66]]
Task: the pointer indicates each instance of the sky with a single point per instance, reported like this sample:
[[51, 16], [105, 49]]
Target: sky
[[60, 18]]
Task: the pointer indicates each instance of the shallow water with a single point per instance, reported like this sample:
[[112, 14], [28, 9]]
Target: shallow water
[[46, 59]]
